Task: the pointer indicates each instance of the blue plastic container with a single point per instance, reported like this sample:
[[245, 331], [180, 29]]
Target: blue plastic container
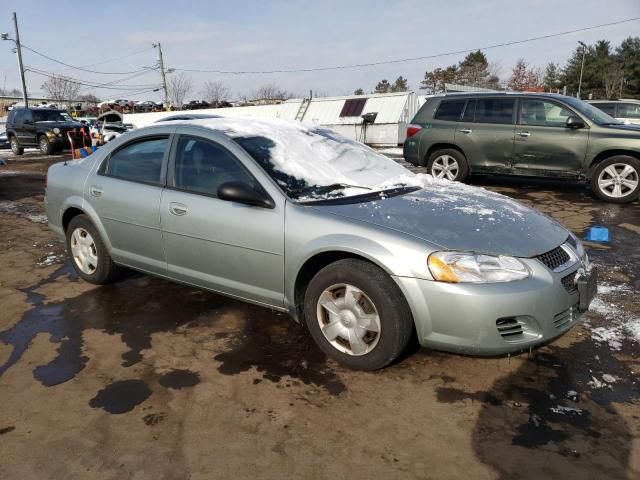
[[597, 234]]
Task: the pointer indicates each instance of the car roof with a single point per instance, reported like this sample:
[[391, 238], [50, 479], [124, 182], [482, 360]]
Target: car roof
[[499, 94], [620, 100]]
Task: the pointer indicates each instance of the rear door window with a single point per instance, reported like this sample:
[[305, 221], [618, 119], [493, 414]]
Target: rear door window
[[494, 110], [28, 116], [469, 111], [449, 110], [140, 161]]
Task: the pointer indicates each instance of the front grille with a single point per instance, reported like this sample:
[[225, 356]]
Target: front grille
[[509, 328], [565, 317], [569, 282], [554, 258]]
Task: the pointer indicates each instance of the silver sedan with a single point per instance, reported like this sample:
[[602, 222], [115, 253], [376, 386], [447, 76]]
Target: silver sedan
[[349, 243]]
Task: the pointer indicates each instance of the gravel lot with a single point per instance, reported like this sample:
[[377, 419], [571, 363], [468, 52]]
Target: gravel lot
[[147, 379]]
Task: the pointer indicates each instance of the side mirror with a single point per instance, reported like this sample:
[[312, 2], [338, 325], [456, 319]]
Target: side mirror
[[243, 193], [575, 122]]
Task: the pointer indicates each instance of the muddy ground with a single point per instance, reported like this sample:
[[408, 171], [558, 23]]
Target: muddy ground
[[145, 379]]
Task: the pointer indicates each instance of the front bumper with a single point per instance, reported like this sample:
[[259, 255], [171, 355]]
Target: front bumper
[[499, 318]]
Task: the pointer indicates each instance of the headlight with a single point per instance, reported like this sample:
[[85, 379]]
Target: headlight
[[56, 130], [467, 267]]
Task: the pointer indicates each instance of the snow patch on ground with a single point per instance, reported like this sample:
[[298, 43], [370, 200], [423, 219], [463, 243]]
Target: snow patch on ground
[[9, 173], [621, 325], [392, 151], [17, 209]]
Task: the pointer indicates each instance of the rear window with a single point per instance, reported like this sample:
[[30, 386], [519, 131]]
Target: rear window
[[449, 110], [494, 110]]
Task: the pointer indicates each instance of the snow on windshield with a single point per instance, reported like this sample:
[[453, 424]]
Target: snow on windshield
[[302, 158]]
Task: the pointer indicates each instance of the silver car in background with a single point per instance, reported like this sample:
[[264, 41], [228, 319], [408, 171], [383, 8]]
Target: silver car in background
[[363, 252]]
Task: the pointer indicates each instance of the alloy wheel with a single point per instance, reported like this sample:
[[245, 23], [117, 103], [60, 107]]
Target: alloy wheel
[[445, 166], [348, 319], [618, 180], [83, 250]]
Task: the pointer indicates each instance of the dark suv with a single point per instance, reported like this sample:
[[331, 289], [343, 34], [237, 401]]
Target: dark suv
[[45, 128], [545, 135]]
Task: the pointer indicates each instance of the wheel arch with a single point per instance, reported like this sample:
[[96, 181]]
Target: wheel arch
[[73, 209], [605, 154], [441, 146], [312, 266]]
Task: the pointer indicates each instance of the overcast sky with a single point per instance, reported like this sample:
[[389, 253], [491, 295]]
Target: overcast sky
[[265, 35]]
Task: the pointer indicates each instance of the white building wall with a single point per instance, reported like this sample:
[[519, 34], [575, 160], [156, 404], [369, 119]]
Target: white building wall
[[394, 112]]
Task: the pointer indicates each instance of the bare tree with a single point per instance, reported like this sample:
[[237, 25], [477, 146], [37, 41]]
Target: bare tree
[[215, 92], [613, 80], [61, 89], [178, 87], [270, 93]]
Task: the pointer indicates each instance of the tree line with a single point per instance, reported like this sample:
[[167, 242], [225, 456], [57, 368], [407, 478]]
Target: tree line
[[608, 73]]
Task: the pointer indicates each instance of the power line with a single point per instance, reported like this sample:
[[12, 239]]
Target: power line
[[410, 59], [107, 86], [118, 58], [74, 67]]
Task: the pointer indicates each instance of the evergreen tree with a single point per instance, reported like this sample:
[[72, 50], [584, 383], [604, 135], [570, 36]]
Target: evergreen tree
[[383, 86], [400, 85]]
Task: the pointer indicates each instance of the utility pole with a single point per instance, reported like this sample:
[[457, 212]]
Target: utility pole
[[163, 74], [584, 49], [19, 52]]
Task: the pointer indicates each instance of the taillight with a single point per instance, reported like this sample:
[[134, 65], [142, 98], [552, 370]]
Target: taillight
[[412, 129]]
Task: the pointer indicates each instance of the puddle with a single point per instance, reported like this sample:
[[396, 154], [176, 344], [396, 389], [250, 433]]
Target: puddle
[[178, 379], [276, 351], [137, 307], [121, 397]]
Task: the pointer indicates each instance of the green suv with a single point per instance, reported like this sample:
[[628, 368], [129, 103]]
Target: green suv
[[527, 134]]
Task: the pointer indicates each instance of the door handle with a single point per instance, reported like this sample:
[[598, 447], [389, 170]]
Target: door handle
[[466, 130], [524, 134], [178, 209], [95, 191]]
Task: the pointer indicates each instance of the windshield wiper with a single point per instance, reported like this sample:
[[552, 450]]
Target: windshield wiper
[[328, 188]]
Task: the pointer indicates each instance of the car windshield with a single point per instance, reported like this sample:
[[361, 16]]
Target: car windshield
[[592, 113], [312, 163], [51, 116]]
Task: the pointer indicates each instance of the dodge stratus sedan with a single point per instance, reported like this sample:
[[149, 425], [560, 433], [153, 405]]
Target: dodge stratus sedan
[[297, 218]]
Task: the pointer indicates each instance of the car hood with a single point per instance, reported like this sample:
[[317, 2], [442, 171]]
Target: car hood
[[455, 216], [627, 127]]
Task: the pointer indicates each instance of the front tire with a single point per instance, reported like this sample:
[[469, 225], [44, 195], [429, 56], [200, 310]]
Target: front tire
[[357, 315], [448, 164], [617, 179], [87, 252], [46, 148], [16, 148]]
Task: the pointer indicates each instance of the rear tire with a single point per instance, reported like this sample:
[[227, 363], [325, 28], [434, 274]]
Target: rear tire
[[617, 179], [448, 164], [88, 254], [357, 314], [16, 148]]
